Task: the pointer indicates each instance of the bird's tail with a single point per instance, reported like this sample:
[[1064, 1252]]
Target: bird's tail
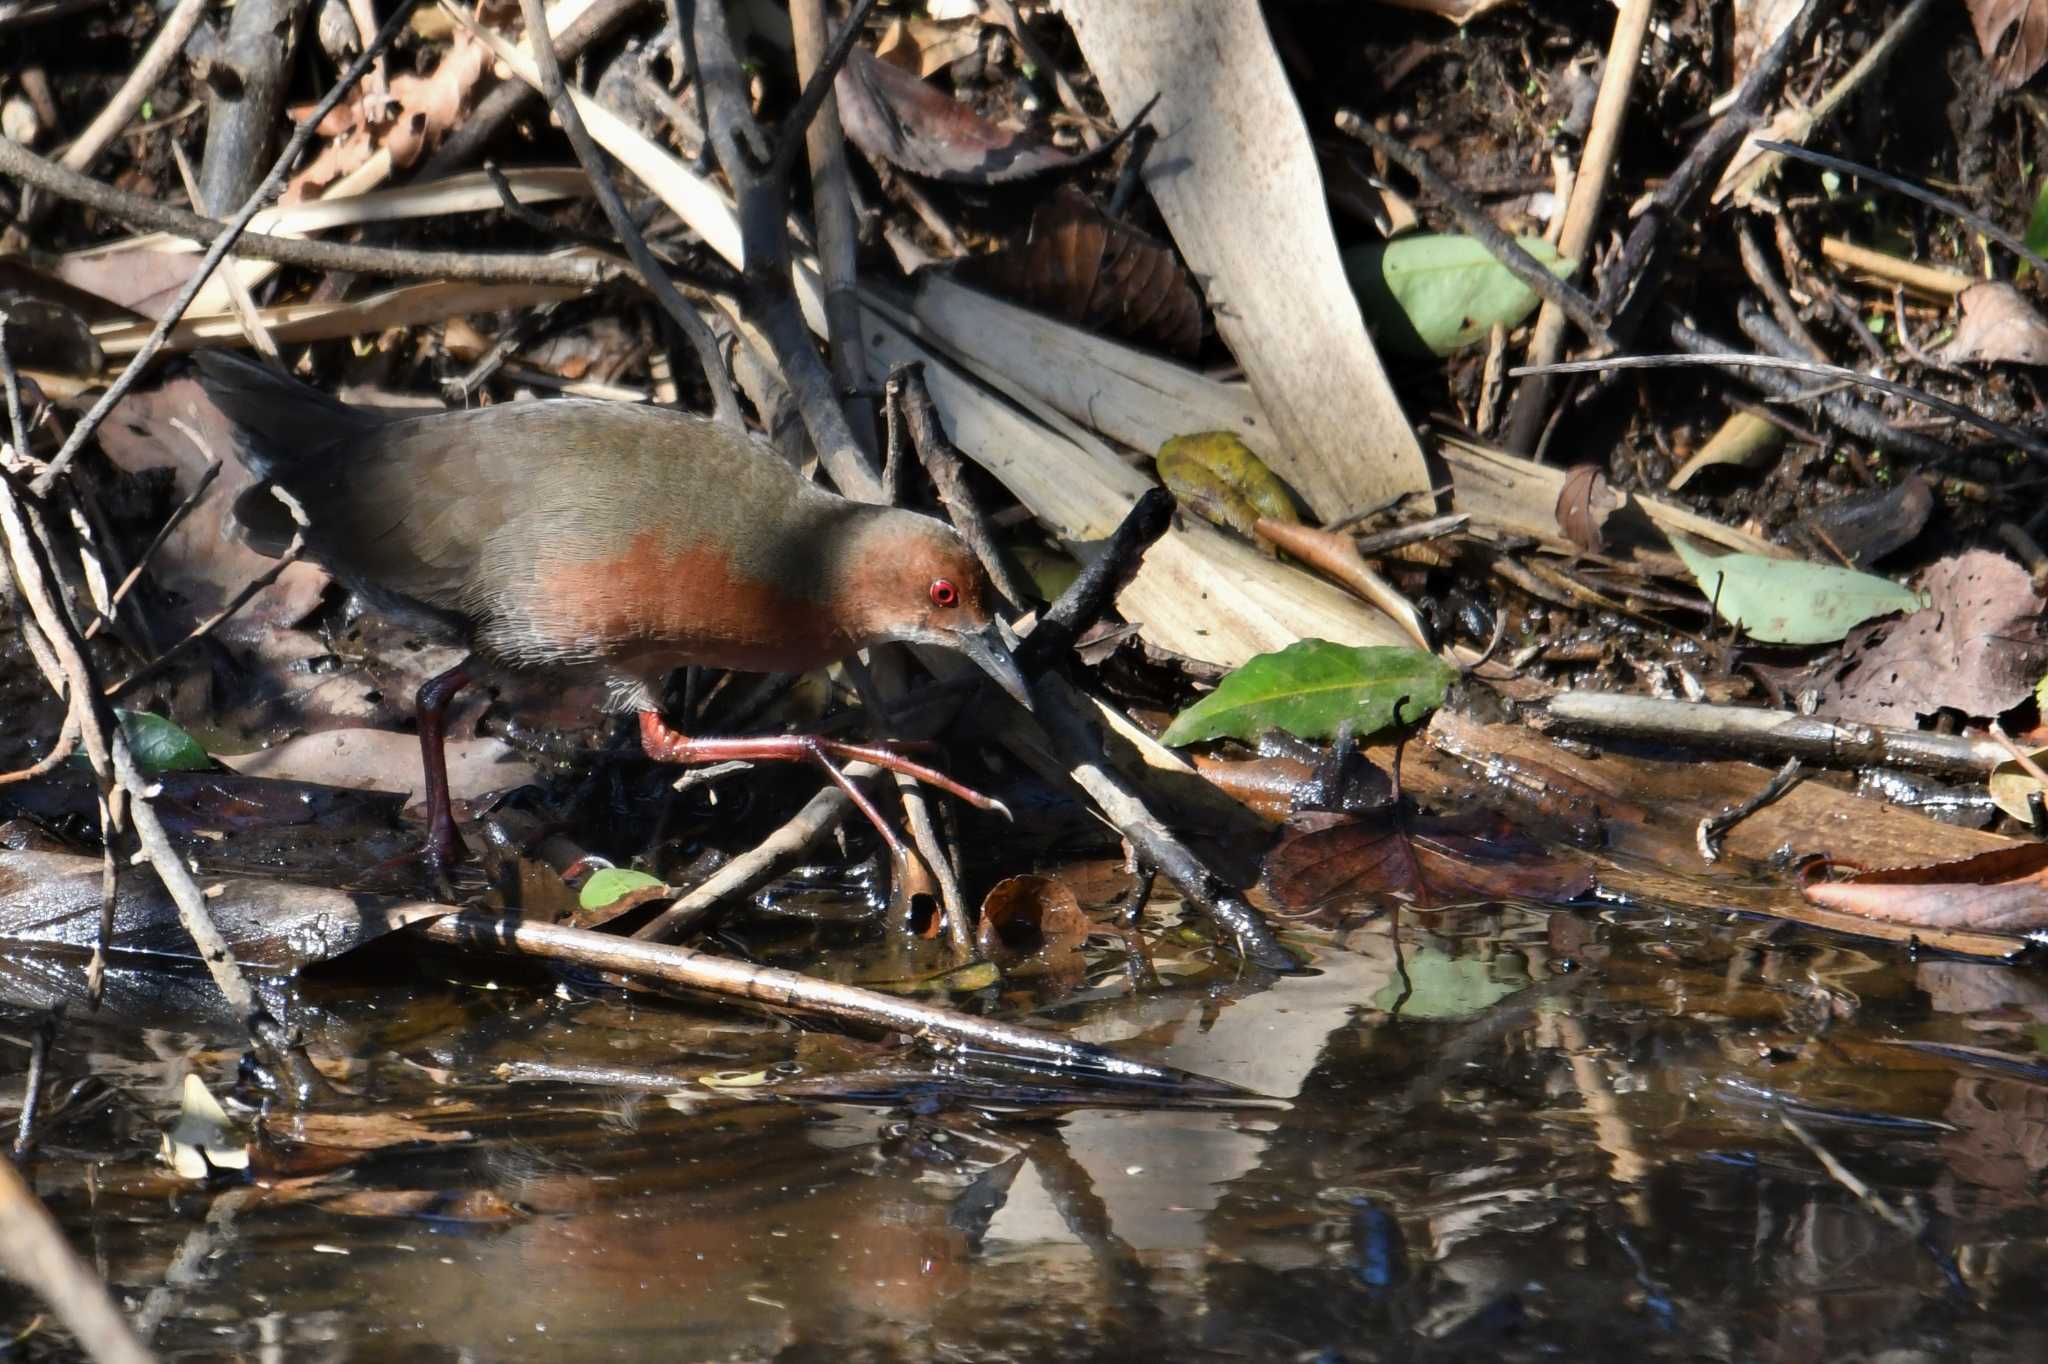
[[280, 423]]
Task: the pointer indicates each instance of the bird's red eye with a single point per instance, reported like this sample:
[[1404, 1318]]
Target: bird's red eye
[[944, 593]]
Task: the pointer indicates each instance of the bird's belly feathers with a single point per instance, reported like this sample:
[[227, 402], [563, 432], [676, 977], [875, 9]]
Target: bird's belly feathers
[[651, 605]]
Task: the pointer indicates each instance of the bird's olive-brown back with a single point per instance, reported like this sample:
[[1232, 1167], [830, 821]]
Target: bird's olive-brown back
[[576, 531]]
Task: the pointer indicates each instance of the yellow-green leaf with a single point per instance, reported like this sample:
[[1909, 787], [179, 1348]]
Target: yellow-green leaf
[[1216, 475]]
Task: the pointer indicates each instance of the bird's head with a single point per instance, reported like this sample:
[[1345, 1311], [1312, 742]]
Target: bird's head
[[916, 582]]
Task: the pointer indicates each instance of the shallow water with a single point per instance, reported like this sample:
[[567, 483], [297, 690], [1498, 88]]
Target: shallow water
[[1529, 1134]]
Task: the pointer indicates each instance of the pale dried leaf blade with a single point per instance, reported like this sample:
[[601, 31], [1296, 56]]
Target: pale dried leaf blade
[[1236, 179]]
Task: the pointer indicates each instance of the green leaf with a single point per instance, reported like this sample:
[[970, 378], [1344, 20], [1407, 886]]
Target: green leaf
[[159, 745], [1787, 601], [610, 884], [1440, 293], [1218, 475], [2037, 227], [1442, 986], [1313, 687]]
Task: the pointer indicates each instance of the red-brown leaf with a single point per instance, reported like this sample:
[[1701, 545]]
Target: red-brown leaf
[[2002, 891], [891, 114], [1426, 861]]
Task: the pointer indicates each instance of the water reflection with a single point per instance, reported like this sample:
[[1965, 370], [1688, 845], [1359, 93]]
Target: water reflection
[[1520, 1134]]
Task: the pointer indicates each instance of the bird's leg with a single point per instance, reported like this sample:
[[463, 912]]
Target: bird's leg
[[444, 844], [664, 744]]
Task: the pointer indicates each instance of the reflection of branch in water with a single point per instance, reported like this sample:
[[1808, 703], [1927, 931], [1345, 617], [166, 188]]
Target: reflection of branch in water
[[1564, 1032], [186, 1268], [980, 1201], [1071, 1190], [1915, 1229]]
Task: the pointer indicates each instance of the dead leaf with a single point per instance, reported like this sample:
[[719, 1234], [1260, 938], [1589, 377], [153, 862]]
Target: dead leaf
[[1216, 474], [1999, 324], [1033, 920], [1583, 506], [924, 46], [385, 760], [1079, 264], [2013, 787], [1744, 440], [201, 562], [2014, 37], [891, 114], [408, 122], [1977, 647], [1427, 861], [1336, 556], [2003, 891]]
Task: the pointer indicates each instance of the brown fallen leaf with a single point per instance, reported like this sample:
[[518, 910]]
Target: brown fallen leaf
[[2014, 37], [1999, 325], [1080, 264], [1583, 506], [408, 122], [1336, 556], [1033, 921], [2003, 891], [1978, 647], [1427, 861], [891, 114]]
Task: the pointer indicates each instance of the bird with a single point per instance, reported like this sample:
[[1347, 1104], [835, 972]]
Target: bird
[[604, 540]]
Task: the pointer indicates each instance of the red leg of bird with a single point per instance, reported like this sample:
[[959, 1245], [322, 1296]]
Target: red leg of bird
[[664, 744], [444, 844]]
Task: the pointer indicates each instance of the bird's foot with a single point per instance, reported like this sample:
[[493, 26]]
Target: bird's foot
[[664, 744], [439, 857]]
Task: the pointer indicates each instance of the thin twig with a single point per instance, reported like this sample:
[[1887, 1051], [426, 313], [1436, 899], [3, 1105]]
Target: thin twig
[[917, 815], [2011, 435], [1977, 222], [947, 468], [832, 211], [474, 266], [163, 50], [290, 556], [1582, 210], [171, 522], [725, 403]]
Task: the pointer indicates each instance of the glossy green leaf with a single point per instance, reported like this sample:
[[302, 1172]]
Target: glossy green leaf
[[1311, 688], [1440, 293], [159, 745], [611, 884], [1789, 601]]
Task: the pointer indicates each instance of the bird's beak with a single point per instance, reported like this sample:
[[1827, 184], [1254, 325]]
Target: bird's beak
[[987, 648]]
